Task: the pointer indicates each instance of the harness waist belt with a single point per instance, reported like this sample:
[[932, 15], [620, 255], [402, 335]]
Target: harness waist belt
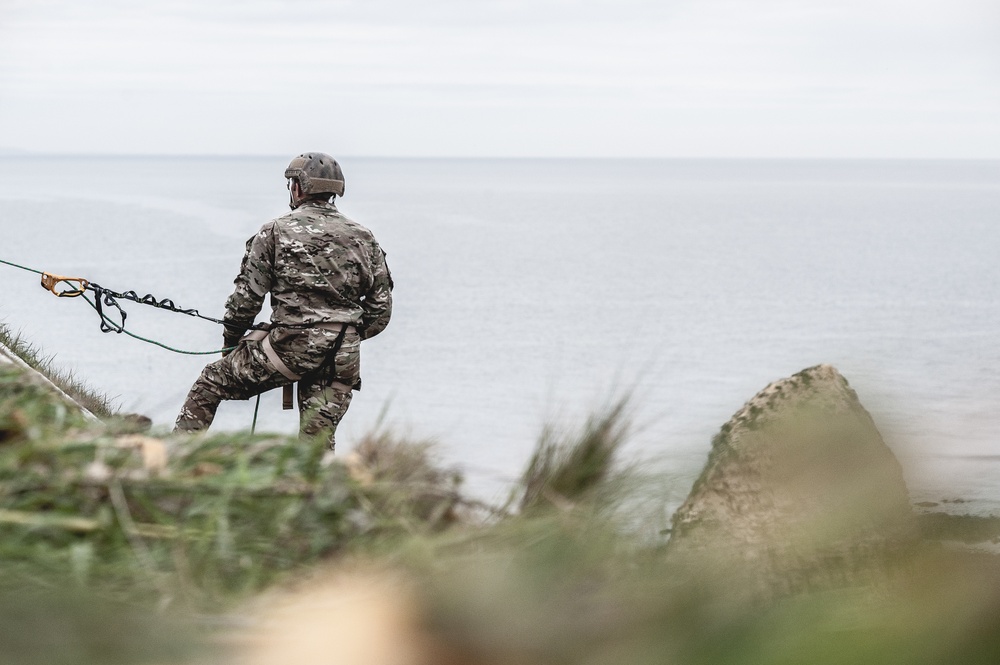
[[278, 363], [264, 338]]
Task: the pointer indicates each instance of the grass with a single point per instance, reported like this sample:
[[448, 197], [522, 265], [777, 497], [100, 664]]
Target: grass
[[97, 403], [125, 548], [569, 468], [201, 522], [56, 627], [961, 528], [406, 482]]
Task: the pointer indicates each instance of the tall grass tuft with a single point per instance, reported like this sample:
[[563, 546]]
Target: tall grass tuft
[[569, 468], [403, 481]]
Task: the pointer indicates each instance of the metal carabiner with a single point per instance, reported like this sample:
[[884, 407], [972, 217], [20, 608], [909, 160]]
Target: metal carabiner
[[77, 285]]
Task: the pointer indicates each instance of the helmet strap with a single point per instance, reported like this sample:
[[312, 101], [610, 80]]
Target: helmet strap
[[293, 200]]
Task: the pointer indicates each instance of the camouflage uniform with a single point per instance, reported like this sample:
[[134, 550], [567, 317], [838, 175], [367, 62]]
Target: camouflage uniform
[[320, 268]]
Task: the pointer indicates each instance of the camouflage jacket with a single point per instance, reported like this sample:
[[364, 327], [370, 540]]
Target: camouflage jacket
[[318, 266]]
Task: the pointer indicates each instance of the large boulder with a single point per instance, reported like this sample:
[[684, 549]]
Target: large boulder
[[800, 493]]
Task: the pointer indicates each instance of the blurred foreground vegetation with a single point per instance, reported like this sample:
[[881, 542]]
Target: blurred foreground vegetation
[[119, 547]]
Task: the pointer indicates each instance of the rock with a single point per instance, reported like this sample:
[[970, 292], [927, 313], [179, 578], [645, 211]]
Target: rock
[[135, 423], [800, 493]]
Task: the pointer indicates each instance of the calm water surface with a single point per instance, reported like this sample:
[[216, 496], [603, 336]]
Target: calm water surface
[[533, 291]]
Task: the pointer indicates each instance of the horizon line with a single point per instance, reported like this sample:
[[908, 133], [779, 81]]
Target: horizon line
[[14, 153]]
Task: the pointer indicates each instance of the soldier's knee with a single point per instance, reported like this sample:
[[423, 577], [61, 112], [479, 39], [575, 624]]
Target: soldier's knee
[[320, 431], [321, 414], [209, 381]]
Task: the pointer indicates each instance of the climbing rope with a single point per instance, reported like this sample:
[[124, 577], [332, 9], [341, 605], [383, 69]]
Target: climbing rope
[[72, 287], [256, 408], [37, 272], [106, 322], [108, 298]]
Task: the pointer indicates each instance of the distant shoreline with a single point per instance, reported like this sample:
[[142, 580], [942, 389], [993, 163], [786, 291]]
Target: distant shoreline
[[6, 153]]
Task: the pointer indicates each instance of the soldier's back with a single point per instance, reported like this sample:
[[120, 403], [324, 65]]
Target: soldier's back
[[322, 265]]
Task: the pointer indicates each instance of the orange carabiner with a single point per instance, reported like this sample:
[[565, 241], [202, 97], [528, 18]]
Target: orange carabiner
[[77, 285]]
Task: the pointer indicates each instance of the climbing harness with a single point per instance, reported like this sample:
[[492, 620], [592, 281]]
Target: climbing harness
[[327, 372]]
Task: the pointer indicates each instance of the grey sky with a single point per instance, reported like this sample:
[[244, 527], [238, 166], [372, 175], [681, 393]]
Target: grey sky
[[764, 78]]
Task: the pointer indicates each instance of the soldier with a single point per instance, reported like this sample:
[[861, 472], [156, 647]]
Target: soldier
[[330, 288]]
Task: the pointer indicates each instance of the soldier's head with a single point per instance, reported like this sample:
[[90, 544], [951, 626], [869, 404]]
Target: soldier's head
[[313, 176]]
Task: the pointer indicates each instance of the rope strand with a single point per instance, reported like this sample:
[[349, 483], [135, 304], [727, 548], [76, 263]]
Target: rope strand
[[108, 298], [37, 272], [105, 321]]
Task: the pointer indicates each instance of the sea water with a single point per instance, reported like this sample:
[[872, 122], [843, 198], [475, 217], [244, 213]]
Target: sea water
[[535, 291]]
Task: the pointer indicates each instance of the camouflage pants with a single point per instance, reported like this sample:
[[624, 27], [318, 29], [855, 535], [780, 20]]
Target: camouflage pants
[[246, 372]]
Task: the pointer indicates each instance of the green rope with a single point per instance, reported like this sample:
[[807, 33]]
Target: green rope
[[253, 427], [153, 341], [130, 334], [37, 272], [256, 408]]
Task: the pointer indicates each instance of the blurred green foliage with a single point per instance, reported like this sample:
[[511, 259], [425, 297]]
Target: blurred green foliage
[[113, 553]]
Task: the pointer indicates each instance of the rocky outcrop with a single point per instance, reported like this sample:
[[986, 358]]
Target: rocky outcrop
[[800, 492]]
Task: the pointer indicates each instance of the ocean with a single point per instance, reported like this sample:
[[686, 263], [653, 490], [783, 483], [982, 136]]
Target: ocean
[[535, 291]]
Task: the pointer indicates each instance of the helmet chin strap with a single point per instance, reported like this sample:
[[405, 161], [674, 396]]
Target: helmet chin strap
[[292, 205]]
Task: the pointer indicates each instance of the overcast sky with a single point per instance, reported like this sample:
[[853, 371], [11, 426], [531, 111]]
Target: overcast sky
[[671, 78]]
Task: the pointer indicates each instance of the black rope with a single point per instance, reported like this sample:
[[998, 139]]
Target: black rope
[[108, 298]]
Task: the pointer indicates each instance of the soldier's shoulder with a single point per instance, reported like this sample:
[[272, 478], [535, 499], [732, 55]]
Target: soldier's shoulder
[[358, 230], [289, 217], [292, 223], [263, 233], [323, 219], [268, 226], [304, 214]]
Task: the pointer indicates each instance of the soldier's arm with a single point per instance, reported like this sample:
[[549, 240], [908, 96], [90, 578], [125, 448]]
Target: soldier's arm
[[377, 303], [253, 282]]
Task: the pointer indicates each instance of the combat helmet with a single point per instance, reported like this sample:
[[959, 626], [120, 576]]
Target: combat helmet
[[317, 173]]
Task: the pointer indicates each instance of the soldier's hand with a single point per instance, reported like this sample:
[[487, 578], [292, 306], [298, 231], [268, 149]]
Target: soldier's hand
[[229, 343], [232, 335]]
